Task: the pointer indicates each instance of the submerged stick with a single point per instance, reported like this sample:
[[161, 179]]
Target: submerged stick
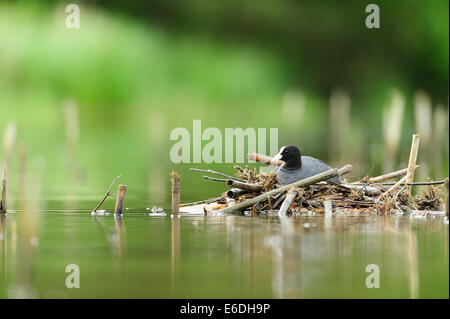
[[291, 194], [176, 190], [214, 173], [122, 190], [264, 159], [304, 182], [247, 186], [3, 202], [108, 193]]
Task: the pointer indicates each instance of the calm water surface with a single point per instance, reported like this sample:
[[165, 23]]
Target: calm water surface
[[139, 256]]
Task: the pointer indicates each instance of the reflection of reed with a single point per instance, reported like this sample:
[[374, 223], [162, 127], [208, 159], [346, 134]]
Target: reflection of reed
[[287, 258], [446, 243], [118, 241], [3, 246], [28, 233], [175, 251], [115, 238], [308, 251], [413, 268]]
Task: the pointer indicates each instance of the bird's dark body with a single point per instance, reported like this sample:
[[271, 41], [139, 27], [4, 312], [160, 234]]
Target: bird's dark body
[[310, 167], [298, 167]]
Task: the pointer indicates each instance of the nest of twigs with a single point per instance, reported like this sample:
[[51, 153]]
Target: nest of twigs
[[345, 200]]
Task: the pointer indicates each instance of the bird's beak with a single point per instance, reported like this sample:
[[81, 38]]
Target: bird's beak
[[278, 157]]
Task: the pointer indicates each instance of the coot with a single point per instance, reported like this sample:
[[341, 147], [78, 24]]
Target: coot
[[298, 167]]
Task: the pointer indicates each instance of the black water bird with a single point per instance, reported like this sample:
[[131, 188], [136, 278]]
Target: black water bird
[[297, 167]]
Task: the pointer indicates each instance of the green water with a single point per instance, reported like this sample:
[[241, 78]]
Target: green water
[[138, 256]]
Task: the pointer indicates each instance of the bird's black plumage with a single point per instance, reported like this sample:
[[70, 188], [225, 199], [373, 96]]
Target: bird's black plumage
[[298, 167]]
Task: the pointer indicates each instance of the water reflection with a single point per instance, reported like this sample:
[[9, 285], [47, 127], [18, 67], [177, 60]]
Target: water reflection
[[176, 252], [3, 246], [287, 260], [314, 251], [223, 256], [116, 239]]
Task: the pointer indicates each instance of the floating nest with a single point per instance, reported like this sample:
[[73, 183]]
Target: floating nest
[[356, 199]]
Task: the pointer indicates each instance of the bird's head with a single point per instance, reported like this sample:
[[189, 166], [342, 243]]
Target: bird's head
[[291, 156]]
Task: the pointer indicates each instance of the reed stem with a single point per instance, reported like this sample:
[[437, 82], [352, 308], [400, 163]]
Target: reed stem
[[176, 190], [3, 201], [122, 190], [412, 160]]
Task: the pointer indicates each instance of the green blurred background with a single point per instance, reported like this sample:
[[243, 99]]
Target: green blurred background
[[87, 104]]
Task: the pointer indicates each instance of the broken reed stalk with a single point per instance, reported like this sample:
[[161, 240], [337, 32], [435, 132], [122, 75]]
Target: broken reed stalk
[[108, 193], [215, 179], [446, 197], [264, 159], [412, 160], [345, 169], [214, 173], [291, 194], [304, 182], [176, 190], [254, 188], [235, 192], [3, 202], [121, 191], [390, 190], [391, 175]]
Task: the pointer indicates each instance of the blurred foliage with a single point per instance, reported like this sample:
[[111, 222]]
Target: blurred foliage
[[227, 63], [325, 42]]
